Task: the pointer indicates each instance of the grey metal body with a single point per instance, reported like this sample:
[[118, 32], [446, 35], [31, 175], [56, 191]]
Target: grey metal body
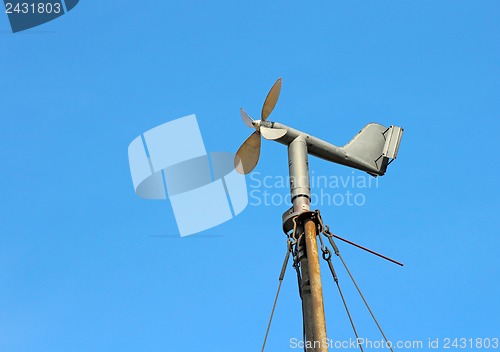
[[371, 150]]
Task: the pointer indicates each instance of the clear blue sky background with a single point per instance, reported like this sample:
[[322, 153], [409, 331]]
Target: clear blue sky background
[[86, 265]]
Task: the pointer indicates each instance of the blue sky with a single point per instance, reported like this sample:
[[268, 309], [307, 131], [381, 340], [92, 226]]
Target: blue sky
[[86, 265]]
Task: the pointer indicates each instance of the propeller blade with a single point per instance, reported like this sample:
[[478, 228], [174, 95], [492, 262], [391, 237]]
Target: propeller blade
[[248, 155], [246, 119], [272, 133], [271, 100]]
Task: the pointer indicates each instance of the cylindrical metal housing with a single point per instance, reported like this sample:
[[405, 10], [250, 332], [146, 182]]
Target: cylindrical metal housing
[[299, 174]]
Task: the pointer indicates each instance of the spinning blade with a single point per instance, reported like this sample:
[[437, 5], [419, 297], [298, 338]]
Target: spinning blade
[[247, 120], [271, 100], [247, 156]]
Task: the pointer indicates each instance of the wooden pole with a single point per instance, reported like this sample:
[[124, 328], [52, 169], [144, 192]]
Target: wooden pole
[[312, 291]]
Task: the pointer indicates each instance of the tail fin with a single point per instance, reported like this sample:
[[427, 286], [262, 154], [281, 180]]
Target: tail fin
[[375, 146]]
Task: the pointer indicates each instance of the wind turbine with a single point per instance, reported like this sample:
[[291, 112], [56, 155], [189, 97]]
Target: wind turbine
[[371, 150]]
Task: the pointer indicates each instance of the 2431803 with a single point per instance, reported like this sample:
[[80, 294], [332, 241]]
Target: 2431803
[[33, 8]]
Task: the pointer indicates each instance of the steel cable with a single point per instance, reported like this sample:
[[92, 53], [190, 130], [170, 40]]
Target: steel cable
[[337, 252], [327, 256], [282, 275]]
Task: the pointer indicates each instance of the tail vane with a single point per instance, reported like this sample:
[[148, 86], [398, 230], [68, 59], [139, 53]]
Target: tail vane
[[376, 146]]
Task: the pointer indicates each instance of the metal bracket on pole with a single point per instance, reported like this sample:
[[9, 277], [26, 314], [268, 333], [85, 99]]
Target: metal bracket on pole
[[289, 216]]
